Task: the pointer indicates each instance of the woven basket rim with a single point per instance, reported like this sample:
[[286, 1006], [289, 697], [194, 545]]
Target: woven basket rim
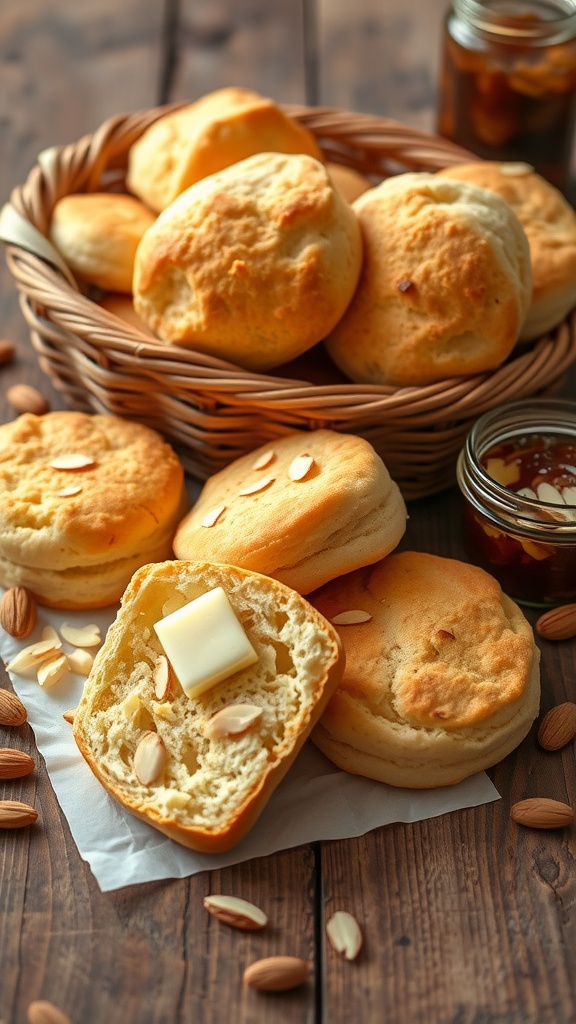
[[362, 140]]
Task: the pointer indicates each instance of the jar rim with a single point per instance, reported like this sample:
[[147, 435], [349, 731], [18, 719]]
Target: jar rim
[[497, 17]]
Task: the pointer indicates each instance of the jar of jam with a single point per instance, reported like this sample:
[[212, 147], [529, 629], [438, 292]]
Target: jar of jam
[[508, 82], [517, 473]]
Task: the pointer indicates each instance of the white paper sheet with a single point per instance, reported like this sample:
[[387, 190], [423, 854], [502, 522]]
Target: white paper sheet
[[315, 801]]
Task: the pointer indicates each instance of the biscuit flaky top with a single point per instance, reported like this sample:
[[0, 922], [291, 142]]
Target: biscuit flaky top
[[126, 496]]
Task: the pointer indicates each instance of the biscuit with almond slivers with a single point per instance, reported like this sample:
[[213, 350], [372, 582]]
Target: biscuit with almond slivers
[[302, 509], [442, 671], [84, 501]]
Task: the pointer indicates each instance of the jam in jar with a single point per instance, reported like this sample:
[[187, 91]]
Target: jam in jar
[[508, 82], [517, 472]]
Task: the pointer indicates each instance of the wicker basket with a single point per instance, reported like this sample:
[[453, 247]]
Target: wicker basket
[[213, 411]]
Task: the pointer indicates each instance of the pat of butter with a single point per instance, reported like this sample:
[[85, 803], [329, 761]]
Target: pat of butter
[[204, 642]]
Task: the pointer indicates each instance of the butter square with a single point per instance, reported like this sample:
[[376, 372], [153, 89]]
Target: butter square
[[204, 642]]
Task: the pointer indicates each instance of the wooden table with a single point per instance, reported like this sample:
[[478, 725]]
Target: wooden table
[[468, 918]]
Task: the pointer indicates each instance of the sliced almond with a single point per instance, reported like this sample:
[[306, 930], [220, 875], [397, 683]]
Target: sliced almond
[[258, 485], [351, 617], [84, 636], [68, 716], [49, 633], [14, 764], [569, 495], [549, 494], [80, 662], [150, 758], [213, 516], [12, 710], [276, 973], [162, 677], [300, 467], [71, 460], [68, 492], [232, 720], [345, 934], [33, 655], [51, 671], [264, 459], [236, 912]]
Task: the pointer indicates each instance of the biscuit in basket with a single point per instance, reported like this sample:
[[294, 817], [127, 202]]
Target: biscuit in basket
[[350, 182], [441, 677], [198, 768], [303, 509], [97, 235], [445, 284], [550, 225], [217, 130], [254, 264], [84, 501]]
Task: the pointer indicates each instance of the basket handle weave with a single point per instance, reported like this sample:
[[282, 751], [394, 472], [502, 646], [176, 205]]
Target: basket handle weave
[[16, 230]]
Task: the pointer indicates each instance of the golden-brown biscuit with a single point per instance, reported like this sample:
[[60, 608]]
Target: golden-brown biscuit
[[441, 678], [444, 288], [253, 265], [350, 182], [213, 785], [550, 225], [97, 235], [84, 501], [201, 138], [343, 512]]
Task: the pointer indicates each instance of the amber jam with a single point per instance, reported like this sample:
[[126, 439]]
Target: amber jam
[[517, 473], [508, 82]]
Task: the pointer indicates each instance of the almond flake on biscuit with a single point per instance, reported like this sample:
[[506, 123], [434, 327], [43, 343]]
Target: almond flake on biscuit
[[300, 467], [232, 720], [67, 492], [71, 460], [150, 758], [351, 618], [162, 677], [258, 485], [264, 459], [211, 518]]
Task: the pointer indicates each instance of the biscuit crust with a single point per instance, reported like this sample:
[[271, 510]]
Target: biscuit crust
[[441, 682]]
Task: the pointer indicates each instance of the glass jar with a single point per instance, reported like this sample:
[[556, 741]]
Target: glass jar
[[508, 82], [517, 473]]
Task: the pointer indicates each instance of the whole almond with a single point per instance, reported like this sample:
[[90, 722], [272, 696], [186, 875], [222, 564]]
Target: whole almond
[[236, 912], [558, 726], [541, 812], [558, 623], [12, 710], [14, 814], [276, 973], [42, 1012], [25, 398], [18, 612], [6, 351], [14, 764]]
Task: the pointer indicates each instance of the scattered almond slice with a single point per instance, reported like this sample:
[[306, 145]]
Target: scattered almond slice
[[232, 720], [258, 485], [345, 935], [150, 758], [350, 618], [300, 467], [80, 661], [213, 516], [71, 460], [51, 671], [33, 655], [49, 633], [236, 912], [162, 677], [264, 459], [84, 636], [67, 492]]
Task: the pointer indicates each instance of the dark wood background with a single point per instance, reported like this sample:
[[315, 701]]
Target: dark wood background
[[468, 918]]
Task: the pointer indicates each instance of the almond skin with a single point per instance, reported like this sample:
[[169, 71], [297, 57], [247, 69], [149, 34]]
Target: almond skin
[[40, 1011], [18, 612], [276, 973], [558, 726], [14, 814], [12, 710], [558, 623], [25, 398], [541, 812], [14, 764]]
